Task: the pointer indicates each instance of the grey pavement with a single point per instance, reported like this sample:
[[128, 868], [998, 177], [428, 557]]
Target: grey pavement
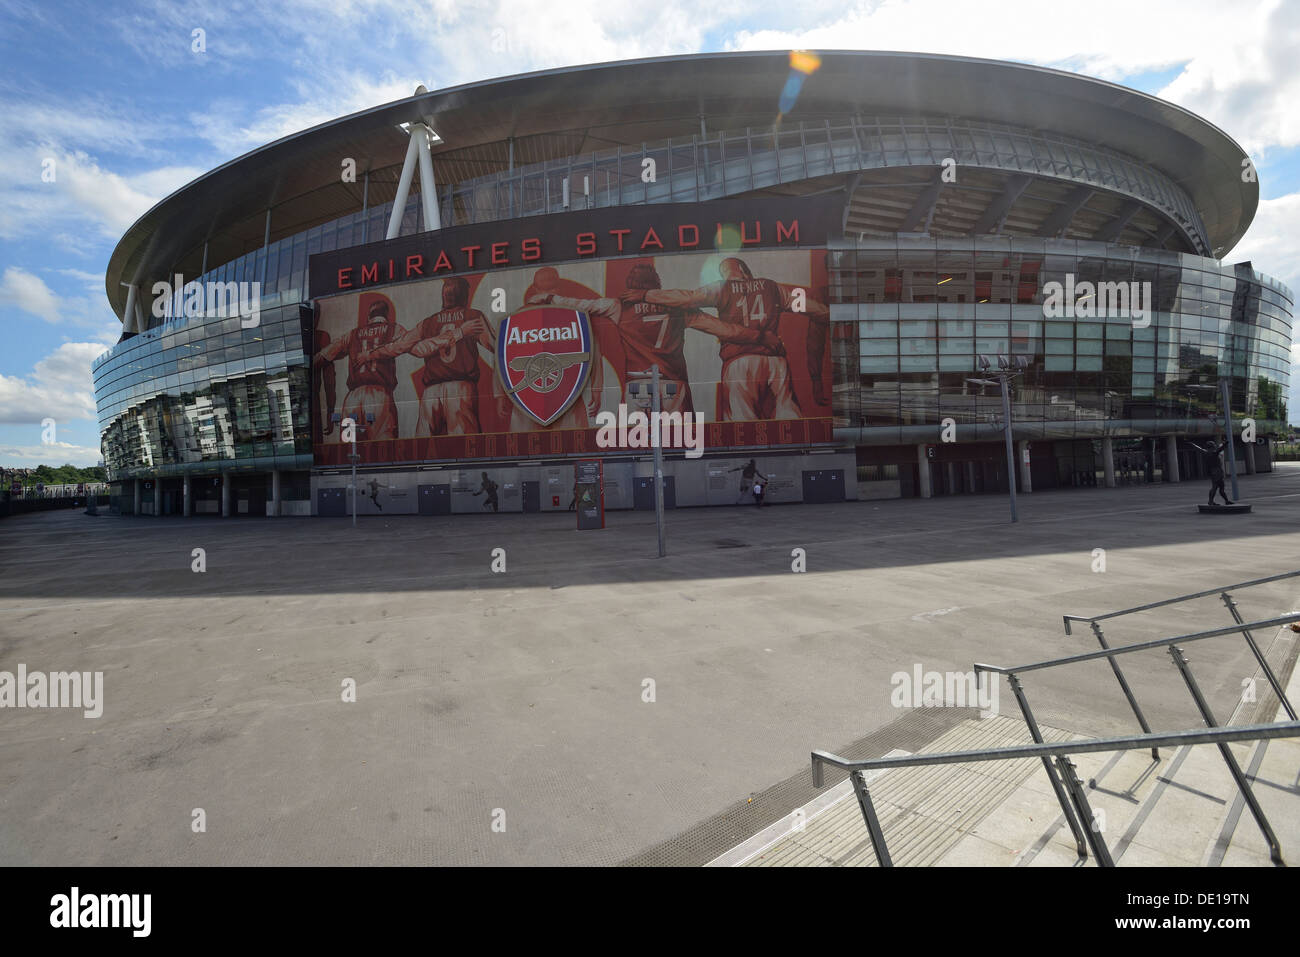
[[482, 695]]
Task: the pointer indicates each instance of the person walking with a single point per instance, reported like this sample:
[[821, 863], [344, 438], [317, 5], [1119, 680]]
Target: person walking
[[760, 485]]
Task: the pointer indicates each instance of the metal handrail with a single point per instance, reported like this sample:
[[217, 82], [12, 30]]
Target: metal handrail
[[1069, 791], [1242, 626], [1140, 646], [1047, 751], [1251, 732], [1089, 619]]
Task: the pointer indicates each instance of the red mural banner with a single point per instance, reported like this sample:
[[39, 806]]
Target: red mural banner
[[470, 367]]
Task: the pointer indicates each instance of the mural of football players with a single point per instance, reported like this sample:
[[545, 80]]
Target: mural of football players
[[653, 334], [448, 341], [755, 378], [371, 378]]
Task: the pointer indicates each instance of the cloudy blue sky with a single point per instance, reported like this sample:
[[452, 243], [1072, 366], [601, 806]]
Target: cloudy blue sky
[[114, 94]]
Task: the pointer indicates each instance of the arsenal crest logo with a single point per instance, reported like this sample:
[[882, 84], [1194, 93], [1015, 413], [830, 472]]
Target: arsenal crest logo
[[543, 358]]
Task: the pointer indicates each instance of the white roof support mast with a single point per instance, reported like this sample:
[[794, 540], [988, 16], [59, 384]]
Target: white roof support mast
[[418, 151]]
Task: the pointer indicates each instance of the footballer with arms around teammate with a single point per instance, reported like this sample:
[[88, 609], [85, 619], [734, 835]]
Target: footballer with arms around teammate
[[654, 334], [755, 377]]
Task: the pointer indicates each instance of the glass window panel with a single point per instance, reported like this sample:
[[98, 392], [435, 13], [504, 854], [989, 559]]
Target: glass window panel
[[918, 364], [878, 330], [878, 347], [917, 310], [878, 364]]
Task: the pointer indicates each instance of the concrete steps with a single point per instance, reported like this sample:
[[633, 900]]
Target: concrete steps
[[924, 811], [1182, 809]]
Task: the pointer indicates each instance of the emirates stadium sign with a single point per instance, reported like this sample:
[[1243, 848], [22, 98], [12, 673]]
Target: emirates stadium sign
[[780, 223]]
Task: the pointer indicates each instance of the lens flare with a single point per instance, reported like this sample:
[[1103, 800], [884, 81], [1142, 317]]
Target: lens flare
[[802, 65]]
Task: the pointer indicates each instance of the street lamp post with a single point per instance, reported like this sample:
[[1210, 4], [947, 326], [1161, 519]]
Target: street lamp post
[[1007, 369], [354, 457], [1227, 435], [656, 441]]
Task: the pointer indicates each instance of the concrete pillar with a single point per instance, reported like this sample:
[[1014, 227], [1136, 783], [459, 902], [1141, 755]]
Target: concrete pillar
[[275, 494], [1108, 461], [1249, 449], [138, 485], [187, 508], [225, 494], [923, 471], [157, 498], [1171, 459], [1022, 457]]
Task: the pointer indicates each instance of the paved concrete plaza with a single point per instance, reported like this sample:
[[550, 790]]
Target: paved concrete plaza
[[519, 695]]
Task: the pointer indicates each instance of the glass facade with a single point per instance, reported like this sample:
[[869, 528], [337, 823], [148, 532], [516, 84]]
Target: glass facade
[[204, 394], [910, 318], [699, 168], [726, 163]]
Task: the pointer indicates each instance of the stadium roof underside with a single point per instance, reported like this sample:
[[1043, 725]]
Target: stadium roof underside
[[1038, 152]]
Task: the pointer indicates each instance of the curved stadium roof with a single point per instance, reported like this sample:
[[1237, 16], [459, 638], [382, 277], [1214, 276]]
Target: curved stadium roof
[[556, 113]]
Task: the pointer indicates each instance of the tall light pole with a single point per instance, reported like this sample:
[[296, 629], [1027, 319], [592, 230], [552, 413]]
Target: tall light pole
[[354, 457], [656, 441], [1007, 369], [1227, 435]]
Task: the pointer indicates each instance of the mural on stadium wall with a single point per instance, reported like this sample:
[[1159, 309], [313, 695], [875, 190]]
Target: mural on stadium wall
[[520, 362]]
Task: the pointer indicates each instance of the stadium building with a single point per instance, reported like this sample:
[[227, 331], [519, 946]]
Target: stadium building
[[455, 292]]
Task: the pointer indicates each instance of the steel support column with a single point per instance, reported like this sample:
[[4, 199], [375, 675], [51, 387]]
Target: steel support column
[[404, 185]]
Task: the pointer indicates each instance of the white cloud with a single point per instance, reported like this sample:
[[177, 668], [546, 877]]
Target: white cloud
[[83, 197], [1272, 243], [1236, 59], [233, 130], [440, 45], [29, 293], [56, 453], [59, 387], [1246, 83], [93, 279]]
